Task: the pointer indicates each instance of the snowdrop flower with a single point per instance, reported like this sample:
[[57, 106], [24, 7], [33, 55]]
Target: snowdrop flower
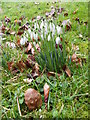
[[41, 25], [65, 22], [8, 43], [36, 36], [42, 37], [34, 43], [35, 25], [49, 37], [59, 30], [13, 45], [53, 34], [53, 30], [38, 17], [46, 28], [26, 34], [58, 40], [31, 35], [29, 30], [50, 25], [23, 40]]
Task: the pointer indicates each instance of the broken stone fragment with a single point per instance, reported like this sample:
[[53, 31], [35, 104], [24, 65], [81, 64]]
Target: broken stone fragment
[[33, 99]]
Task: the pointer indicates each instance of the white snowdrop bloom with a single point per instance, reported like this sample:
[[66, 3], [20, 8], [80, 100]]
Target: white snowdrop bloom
[[31, 35], [46, 28], [41, 25], [22, 41], [35, 25], [42, 37], [8, 43], [53, 30], [38, 17], [25, 39], [39, 110], [25, 33], [59, 30], [80, 36], [57, 40], [50, 26], [53, 34], [13, 45], [65, 22], [36, 36], [29, 30], [49, 37], [34, 43]]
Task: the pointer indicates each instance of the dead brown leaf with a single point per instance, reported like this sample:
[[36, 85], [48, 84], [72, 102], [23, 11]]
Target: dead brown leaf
[[20, 32], [36, 68], [68, 72], [46, 93], [22, 17], [21, 65], [28, 48], [66, 14], [74, 57], [10, 65]]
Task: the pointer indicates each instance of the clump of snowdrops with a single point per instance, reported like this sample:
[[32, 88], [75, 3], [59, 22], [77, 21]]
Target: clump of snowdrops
[[52, 55]]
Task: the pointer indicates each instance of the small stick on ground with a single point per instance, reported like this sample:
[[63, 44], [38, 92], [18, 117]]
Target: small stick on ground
[[19, 107]]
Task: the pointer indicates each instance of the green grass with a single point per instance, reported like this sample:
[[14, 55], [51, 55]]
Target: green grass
[[68, 96]]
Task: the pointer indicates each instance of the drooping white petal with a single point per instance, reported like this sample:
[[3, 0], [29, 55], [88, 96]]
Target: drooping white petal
[[59, 30], [46, 28], [57, 40], [13, 45], [36, 36], [53, 30], [22, 41], [41, 25], [49, 37], [25, 39], [42, 37], [29, 30], [35, 25], [31, 35], [50, 25]]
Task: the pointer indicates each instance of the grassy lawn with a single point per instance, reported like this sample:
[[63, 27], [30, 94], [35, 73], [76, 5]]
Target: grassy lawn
[[68, 96]]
